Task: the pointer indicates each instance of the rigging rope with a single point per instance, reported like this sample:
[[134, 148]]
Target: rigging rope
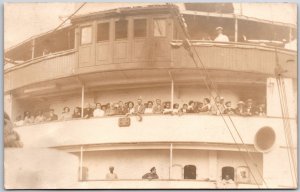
[[285, 118], [182, 25]]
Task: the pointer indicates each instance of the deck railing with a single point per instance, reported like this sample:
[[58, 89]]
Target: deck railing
[[152, 128], [240, 57]]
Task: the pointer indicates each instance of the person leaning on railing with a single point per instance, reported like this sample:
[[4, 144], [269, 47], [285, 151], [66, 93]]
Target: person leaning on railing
[[66, 114], [151, 175], [52, 116]]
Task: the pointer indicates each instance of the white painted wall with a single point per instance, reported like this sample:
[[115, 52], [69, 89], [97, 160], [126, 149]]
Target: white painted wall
[[128, 164], [234, 159], [132, 164], [199, 158]]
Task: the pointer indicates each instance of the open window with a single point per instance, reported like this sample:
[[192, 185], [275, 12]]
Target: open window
[[190, 172], [228, 171], [121, 29], [159, 27], [103, 32], [140, 28], [86, 35]]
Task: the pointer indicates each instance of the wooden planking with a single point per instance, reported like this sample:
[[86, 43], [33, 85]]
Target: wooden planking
[[233, 58], [85, 56], [140, 50], [121, 51], [44, 70], [103, 53]]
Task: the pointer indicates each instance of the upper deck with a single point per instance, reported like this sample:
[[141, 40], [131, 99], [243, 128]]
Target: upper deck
[[135, 39]]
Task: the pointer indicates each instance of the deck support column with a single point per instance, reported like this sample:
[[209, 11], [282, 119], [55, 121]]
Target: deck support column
[[172, 90], [82, 99], [290, 35], [235, 29], [81, 160], [32, 48], [171, 160]]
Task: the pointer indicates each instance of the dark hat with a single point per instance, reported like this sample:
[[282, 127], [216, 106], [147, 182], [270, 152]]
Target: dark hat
[[227, 102], [219, 28], [153, 168]]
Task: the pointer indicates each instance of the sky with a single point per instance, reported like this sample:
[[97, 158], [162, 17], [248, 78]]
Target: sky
[[24, 20]]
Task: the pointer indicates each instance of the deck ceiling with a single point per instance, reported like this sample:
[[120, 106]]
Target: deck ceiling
[[129, 79]]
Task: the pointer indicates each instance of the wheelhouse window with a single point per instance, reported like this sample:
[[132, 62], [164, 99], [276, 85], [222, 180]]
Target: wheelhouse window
[[121, 29], [103, 32], [86, 35], [160, 26], [140, 28]]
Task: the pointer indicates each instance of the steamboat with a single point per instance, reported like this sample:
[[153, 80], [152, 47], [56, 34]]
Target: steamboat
[[145, 56]]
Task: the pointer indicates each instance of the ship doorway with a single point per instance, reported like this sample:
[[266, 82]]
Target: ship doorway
[[190, 172], [228, 171]]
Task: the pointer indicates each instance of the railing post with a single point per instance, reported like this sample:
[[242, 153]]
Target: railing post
[[171, 160], [82, 99], [81, 159]]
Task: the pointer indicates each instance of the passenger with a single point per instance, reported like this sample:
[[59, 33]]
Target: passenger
[[151, 175], [222, 105], [221, 37], [207, 106], [98, 112], [27, 117], [184, 109], [77, 113], [88, 111], [240, 110], [228, 109], [158, 109], [260, 110], [175, 109], [107, 108], [139, 108], [39, 117], [121, 109], [130, 108], [149, 108], [216, 106], [52, 116], [167, 108], [227, 180], [111, 175], [19, 121], [31, 119], [66, 114], [249, 109], [198, 107], [191, 107], [115, 109]]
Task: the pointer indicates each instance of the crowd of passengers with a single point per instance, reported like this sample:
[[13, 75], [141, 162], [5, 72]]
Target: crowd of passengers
[[129, 108]]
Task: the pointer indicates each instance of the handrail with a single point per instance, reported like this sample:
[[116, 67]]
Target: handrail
[[145, 115], [41, 58], [238, 45]]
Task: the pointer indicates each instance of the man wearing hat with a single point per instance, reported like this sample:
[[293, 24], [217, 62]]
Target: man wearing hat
[[249, 110], [228, 109], [111, 175], [221, 37], [240, 110], [151, 175]]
